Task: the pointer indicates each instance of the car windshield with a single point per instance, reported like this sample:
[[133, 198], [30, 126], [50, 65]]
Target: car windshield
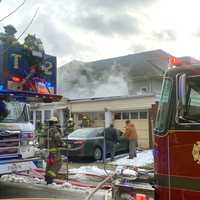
[[15, 112], [84, 133]]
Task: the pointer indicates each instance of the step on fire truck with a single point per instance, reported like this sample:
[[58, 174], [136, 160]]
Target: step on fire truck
[[177, 140], [27, 75]]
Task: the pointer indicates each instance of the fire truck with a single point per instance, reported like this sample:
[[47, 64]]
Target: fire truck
[[177, 140], [177, 134], [27, 76]]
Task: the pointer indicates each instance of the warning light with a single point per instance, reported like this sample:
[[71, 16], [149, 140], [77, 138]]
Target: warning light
[[16, 79], [48, 84], [41, 88], [141, 197], [174, 61]]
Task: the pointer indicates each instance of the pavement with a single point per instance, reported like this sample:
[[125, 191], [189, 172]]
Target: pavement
[[22, 190]]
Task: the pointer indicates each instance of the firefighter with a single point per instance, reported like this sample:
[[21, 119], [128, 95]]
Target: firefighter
[[54, 144], [85, 122]]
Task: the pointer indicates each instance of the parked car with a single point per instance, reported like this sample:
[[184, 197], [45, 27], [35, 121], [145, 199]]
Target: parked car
[[89, 142]]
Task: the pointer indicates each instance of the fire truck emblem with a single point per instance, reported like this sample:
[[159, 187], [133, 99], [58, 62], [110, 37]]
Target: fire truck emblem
[[196, 152]]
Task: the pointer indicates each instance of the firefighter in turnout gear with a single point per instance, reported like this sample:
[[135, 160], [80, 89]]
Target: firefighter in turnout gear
[[54, 144]]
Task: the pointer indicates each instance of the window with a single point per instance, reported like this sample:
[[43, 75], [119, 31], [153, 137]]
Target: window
[[80, 116], [143, 115], [47, 115], [134, 115], [125, 115], [39, 115], [13, 112], [101, 116], [93, 116], [144, 89], [192, 108], [163, 109], [117, 115]]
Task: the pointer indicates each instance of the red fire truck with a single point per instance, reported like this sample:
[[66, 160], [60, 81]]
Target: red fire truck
[[177, 140], [177, 134]]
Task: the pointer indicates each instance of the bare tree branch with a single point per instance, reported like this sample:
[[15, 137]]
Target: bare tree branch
[[12, 11]]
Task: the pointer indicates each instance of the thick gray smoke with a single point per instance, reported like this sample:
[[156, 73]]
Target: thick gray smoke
[[125, 75], [86, 80]]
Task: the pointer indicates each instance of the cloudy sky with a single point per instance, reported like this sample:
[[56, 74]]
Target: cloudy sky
[[90, 30]]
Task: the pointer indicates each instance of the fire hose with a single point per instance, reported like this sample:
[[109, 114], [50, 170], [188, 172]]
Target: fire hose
[[89, 196]]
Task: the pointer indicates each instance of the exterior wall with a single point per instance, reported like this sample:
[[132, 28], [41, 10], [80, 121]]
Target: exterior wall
[[135, 86], [156, 86], [96, 109], [142, 130], [112, 105], [152, 85], [142, 125]]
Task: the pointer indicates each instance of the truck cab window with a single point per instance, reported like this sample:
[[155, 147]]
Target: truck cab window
[[192, 108], [163, 110], [14, 112]]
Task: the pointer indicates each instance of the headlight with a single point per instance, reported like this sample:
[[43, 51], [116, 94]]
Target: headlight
[[30, 142]]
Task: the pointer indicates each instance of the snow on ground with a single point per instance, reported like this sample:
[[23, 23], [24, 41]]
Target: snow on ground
[[30, 180], [21, 179], [143, 158], [92, 170]]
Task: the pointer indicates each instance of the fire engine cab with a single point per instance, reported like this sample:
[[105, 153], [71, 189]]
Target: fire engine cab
[[177, 134], [27, 75]]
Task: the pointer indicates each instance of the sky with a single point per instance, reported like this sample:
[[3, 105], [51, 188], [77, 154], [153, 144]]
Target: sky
[[89, 30]]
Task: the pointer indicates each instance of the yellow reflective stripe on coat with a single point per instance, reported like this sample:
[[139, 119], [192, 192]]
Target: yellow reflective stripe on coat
[[56, 149], [51, 173]]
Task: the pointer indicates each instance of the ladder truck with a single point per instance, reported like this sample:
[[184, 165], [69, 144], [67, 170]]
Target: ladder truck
[[26, 76]]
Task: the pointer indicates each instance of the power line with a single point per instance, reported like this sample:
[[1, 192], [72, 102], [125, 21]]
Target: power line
[[29, 24], [12, 11]]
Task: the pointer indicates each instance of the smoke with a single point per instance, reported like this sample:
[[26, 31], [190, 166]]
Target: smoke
[[115, 86], [86, 80]]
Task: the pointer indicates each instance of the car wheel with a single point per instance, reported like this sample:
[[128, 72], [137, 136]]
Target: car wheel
[[98, 153]]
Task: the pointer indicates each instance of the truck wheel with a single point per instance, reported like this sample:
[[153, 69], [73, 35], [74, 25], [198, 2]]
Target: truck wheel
[[98, 153]]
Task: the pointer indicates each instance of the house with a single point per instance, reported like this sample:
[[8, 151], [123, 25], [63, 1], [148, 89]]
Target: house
[[142, 73]]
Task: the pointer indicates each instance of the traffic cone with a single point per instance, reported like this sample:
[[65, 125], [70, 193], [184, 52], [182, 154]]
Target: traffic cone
[[141, 197]]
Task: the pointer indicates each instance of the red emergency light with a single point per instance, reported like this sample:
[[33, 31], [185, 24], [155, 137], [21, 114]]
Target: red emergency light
[[141, 197], [16, 79], [174, 61]]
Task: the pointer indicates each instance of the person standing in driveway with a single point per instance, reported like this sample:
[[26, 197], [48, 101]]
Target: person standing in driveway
[[111, 139], [131, 134]]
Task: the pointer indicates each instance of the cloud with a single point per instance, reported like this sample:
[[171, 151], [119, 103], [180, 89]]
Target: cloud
[[114, 4], [136, 48], [164, 35], [109, 25], [196, 32], [79, 29]]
